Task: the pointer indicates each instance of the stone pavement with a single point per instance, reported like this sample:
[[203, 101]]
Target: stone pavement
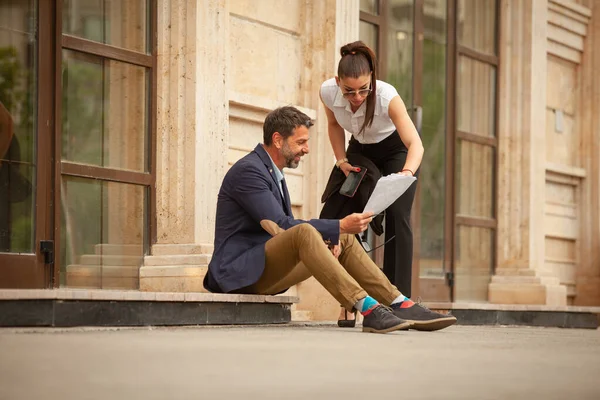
[[299, 362]]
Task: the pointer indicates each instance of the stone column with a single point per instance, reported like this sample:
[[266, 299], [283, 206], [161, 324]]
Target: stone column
[[520, 276], [347, 19], [322, 42], [176, 130], [212, 117], [319, 49], [588, 274], [192, 140]]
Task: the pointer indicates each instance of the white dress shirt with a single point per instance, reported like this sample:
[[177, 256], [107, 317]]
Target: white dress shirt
[[382, 125], [278, 175]]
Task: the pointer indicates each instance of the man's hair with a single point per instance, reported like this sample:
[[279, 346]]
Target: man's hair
[[284, 120]]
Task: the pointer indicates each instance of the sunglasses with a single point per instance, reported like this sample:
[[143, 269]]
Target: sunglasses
[[352, 93]]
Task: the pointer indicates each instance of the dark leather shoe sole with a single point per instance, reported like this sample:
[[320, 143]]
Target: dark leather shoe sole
[[432, 325], [346, 323], [404, 326]]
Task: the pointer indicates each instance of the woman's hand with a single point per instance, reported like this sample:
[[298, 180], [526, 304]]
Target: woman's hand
[[405, 173], [347, 168]]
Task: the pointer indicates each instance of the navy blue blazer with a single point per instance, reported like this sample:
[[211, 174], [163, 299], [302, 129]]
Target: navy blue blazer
[[249, 193]]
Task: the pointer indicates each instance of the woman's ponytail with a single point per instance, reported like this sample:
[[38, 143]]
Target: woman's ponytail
[[358, 60]]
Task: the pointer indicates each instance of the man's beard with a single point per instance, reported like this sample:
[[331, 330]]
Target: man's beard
[[289, 156]]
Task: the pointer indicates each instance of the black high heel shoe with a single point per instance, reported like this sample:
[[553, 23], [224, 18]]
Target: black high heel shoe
[[347, 323]]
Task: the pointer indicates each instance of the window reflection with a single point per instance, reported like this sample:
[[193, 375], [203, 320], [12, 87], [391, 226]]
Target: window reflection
[[369, 35], [473, 263], [476, 95], [400, 48], [18, 93], [370, 6], [433, 166], [103, 233], [475, 179], [121, 23], [104, 112], [476, 25]]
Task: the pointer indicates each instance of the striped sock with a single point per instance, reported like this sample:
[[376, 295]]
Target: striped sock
[[366, 305], [402, 302]]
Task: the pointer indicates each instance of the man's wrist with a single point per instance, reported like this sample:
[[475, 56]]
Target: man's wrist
[[342, 227]]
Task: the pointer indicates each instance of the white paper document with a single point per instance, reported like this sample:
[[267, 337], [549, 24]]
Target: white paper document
[[388, 190]]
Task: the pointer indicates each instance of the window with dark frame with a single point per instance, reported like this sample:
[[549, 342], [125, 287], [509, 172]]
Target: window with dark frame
[[476, 146], [106, 85], [469, 85]]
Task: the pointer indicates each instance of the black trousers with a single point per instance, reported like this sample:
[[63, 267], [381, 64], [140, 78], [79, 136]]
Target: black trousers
[[390, 156]]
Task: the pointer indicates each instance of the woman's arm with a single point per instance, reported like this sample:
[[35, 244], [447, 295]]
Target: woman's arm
[[337, 138], [408, 133], [336, 134]]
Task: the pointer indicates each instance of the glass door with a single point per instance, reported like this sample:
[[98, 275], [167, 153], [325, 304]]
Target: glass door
[[411, 41], [476, 148], [442, 57], [433, 205], [387, 27], [107, 85], [26, 116]]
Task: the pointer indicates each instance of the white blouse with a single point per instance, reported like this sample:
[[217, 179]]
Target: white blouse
[[382, 125]]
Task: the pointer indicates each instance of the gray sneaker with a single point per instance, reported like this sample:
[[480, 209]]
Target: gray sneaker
[[423, 319], [382, 320]]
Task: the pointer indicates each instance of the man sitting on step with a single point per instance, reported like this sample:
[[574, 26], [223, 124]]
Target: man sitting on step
[[260, 248]]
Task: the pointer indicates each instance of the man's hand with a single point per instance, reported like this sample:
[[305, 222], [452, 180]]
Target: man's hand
[[355, 223], [336, 250]]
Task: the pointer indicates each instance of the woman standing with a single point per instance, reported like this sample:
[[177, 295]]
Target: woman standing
[[375, 115]]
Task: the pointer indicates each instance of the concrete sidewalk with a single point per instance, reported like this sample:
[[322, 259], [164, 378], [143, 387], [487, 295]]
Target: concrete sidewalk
[[299, 362]]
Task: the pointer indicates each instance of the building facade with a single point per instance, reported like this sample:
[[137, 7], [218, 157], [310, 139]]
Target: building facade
[[119, 119]]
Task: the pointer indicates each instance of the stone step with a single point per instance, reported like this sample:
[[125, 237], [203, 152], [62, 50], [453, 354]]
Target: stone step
[[105, 260], [84, 307], [135, 295], [188, 259], [103, 277], [173, 278], [119, 249], [515, 272], [116, 271], [180, 249], [532, 280], [159, 271], [520, 314]]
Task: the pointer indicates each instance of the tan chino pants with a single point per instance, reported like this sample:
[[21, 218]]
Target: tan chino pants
[[298, 253]]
